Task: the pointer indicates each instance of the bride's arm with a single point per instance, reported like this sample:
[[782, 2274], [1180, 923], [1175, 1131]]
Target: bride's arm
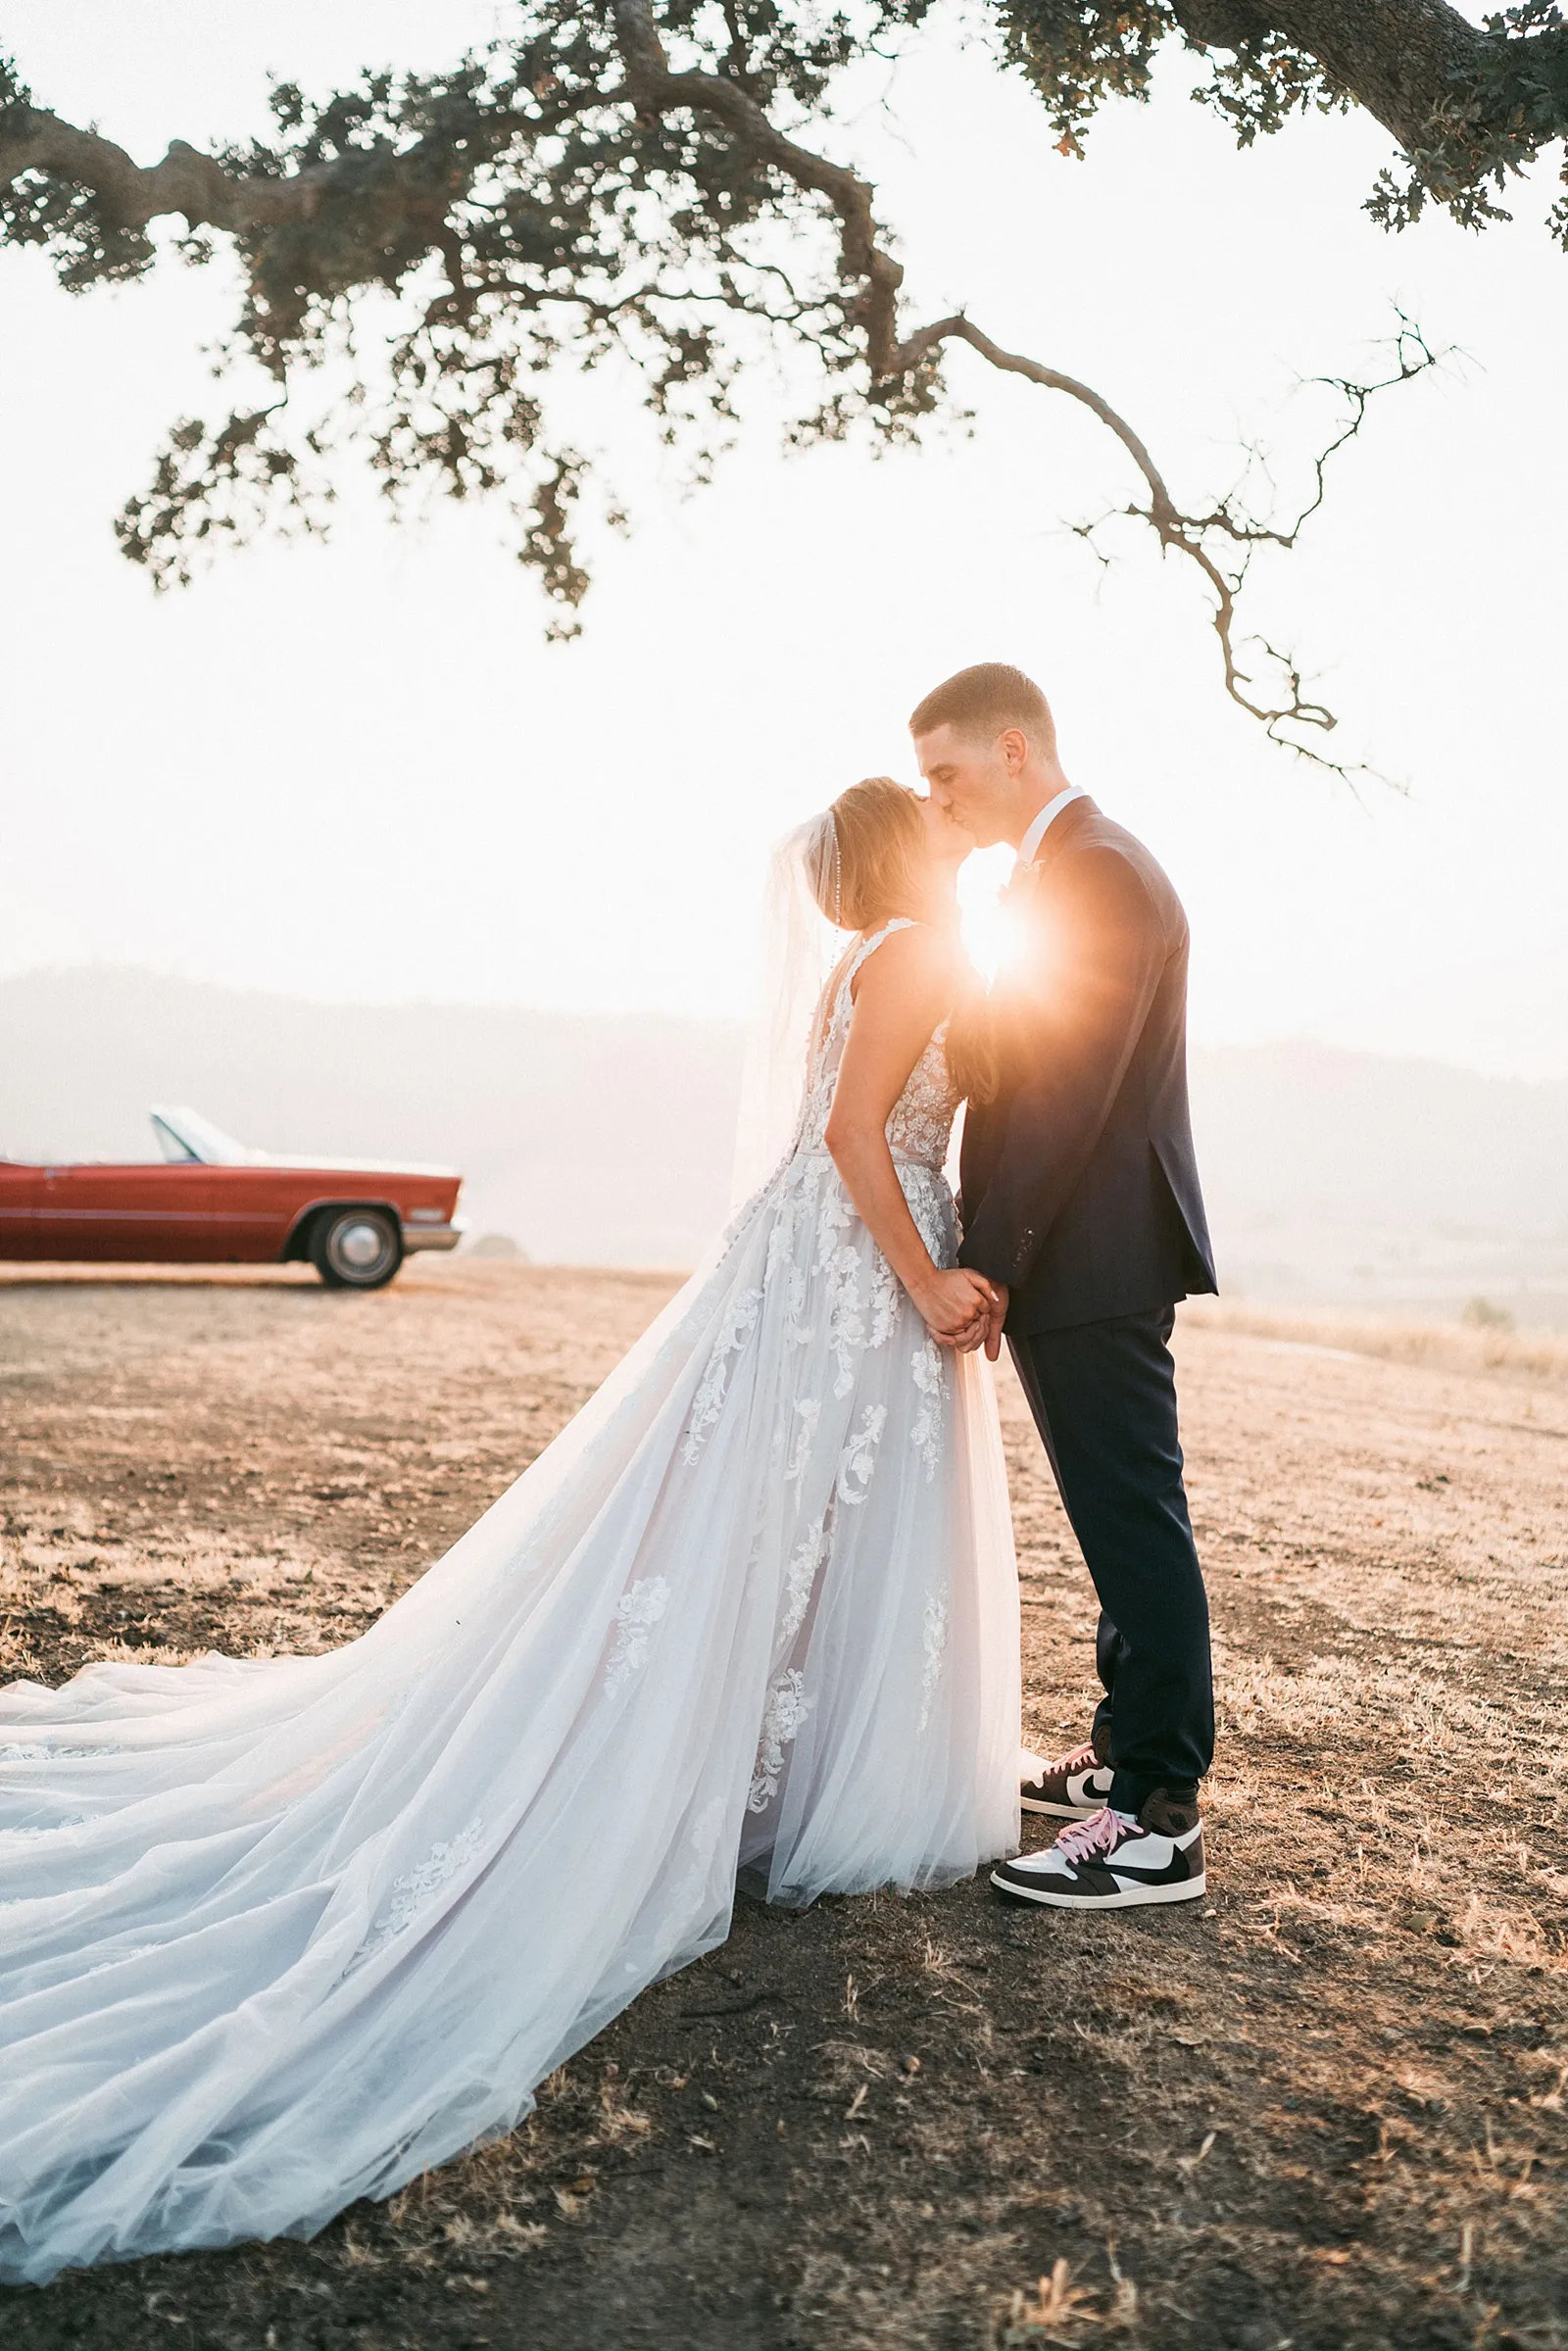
[[902, 993]]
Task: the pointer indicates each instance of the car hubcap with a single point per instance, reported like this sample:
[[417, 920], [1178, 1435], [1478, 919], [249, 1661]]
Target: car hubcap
[[361, 1246]]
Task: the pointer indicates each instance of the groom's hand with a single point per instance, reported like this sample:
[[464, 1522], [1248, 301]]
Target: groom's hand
[[995, 1319], [955, 1308]]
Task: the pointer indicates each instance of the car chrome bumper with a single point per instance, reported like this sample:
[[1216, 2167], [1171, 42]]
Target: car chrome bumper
[[433, 1236]]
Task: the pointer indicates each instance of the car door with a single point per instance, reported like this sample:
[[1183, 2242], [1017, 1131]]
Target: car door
[[253, 1210], [19, 1191], [125, 1213]]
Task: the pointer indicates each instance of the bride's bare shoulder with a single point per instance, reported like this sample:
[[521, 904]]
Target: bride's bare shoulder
[[919, 961]]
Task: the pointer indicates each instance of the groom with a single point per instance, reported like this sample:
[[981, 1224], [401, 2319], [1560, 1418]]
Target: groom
[[1081, 1204]]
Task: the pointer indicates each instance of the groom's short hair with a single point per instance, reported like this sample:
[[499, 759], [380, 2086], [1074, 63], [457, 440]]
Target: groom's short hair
[[983, 701]]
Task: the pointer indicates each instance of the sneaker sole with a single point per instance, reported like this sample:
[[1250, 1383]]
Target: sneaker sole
[[1059, 1812], [1131, 1897]]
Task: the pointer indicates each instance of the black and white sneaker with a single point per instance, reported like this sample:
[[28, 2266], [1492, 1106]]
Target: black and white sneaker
[[1072, 1789], [1114, 1862]]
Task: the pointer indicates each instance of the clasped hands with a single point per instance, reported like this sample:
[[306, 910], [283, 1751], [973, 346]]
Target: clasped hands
[[965, 1311]]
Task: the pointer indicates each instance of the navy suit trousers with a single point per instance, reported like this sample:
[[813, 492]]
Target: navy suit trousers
[[1104, 1397]]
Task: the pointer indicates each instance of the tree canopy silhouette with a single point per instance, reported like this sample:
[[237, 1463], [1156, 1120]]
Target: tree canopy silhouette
[[652, 178]]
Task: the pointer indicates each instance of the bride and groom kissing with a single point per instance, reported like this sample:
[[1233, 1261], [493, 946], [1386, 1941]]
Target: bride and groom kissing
[[284, 1932]]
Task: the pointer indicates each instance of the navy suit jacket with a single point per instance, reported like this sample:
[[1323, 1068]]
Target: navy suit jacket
[[1079, 1184]]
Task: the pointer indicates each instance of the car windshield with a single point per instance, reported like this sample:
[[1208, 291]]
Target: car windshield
[[171, 1144], [185, 1135]]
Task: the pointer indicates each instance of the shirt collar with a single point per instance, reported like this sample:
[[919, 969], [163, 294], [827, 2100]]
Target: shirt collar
[[1029, 845]]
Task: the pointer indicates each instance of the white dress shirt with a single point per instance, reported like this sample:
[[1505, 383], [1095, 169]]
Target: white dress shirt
[[1029, 845]]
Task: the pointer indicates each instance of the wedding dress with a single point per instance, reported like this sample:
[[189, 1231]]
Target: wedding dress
[[278, 1934]]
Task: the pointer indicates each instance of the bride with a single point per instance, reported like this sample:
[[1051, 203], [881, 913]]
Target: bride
[[280, 1934]]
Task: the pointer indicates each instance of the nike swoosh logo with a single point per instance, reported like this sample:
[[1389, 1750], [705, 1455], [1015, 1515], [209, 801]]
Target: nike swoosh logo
[[1146, 1877]]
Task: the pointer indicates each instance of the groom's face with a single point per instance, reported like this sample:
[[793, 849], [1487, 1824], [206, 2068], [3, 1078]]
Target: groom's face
[[972, 781]]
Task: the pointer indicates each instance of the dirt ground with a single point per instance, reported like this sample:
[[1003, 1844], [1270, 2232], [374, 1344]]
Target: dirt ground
[[1327, 2108]]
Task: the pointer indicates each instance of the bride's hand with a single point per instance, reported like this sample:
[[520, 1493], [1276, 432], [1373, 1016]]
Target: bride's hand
[[956, 1307]]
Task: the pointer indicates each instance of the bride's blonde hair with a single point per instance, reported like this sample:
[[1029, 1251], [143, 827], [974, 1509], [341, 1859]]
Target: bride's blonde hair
[[865, 867], [972, 1045]]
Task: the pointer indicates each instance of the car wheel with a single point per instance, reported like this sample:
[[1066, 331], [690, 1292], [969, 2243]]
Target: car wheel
[[356, 1249]]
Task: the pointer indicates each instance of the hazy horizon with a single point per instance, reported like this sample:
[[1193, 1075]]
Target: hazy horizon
[[734, 1023], [1333, 1177]]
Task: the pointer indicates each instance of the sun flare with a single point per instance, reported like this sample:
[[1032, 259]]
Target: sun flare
[[984, 919]]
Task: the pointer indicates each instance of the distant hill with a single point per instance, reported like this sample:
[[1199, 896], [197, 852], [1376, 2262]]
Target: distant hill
[[1360, 1179], [1333, 1177]]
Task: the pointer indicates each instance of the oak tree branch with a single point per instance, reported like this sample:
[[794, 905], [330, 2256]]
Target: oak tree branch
[[612, 183]]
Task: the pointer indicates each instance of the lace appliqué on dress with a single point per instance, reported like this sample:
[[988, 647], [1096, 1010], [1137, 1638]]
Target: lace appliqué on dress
[[858, 1457], [809, 1409], [928, 1208], [418, 1887], [786, 1709], [639, 1608], [786, 1264], [39, 1754], [882, 1305], [846, 1316], [706, 1829], [707, 1402], [834, 1216], [800, 1580], [925, 1430], [816, 1228], [922, 1119], [936, 1646]]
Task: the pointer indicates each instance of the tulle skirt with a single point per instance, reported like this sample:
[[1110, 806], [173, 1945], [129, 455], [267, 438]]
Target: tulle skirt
[[275, 1934]]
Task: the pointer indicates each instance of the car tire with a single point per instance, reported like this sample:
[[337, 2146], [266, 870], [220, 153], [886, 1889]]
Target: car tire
[[356, 1249]]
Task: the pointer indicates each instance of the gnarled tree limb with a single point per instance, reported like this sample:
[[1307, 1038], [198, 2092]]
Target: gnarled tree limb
[[610, 182], [130, 195], [1470, 106], [891, 359], [1399, 59]]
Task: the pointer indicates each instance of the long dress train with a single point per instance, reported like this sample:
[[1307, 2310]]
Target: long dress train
[[278, 1934]]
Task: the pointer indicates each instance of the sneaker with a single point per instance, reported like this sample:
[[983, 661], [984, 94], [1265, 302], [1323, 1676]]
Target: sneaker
[[1072, 1789], [1114, 1862]]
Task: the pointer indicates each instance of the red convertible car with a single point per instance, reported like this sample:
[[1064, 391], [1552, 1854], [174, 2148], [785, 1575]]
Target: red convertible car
[[211, 1202]]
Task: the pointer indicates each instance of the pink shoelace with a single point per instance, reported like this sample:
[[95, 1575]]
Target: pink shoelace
[[1082, 1759], [1099, 1835]]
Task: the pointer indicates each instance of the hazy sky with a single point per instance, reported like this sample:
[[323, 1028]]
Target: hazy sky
[[358, 771]]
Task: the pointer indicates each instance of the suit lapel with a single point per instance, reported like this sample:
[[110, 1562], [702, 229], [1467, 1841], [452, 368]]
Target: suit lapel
[[983, 1122], [1059, 835], [1063, 831]]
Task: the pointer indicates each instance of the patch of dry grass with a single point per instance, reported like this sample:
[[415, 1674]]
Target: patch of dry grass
[[1532, 1355], [1328, 2105]]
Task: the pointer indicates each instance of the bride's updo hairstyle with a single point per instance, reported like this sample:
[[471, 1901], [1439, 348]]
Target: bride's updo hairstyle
[[865, 865]]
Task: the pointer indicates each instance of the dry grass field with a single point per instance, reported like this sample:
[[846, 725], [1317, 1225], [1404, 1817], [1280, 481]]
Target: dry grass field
[[1328, 2108]]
